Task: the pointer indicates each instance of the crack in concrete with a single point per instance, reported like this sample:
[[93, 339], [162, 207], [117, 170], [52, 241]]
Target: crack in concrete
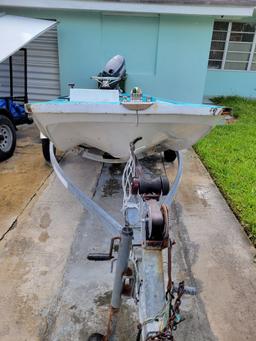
[[12, 227], [94, 191], [15, 221]]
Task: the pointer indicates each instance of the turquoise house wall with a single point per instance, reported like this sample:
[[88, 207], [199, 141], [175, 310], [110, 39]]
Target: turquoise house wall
[[184, 43], [230, 83], [166, 55]]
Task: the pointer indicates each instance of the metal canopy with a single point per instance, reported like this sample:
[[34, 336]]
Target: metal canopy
[[19, 31]]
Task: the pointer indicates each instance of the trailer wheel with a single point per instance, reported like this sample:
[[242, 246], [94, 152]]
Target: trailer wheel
[[46, 149], [7, 138], [169, 155]]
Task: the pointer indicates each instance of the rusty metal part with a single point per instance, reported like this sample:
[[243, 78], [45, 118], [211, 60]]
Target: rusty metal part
[[174, 309], [129, 280], [135, 185], [127, 289], [173, 321], [166, 216], [155, 244], [157, 226], [128, 271], [112, 321], [147, 197], [169, 284], [174, 317]]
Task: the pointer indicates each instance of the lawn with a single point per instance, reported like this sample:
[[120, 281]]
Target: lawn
[[229, 154]]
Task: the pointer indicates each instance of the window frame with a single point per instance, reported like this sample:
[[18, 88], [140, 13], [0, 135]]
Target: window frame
[[227, 41]]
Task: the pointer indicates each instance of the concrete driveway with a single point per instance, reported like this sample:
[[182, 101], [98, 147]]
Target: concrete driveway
[[49, 291]]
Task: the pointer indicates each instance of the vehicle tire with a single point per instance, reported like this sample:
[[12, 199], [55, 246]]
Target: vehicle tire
[[46, 149], [96, 337], [7, 138], [169, 155]]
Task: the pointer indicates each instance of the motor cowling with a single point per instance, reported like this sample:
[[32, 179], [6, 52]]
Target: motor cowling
[[115, 67]]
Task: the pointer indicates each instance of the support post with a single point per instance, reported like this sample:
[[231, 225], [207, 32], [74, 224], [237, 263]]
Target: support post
[[11, 76], [25, 75], [121, 267]]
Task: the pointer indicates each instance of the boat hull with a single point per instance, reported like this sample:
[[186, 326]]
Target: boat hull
[[111, 127]]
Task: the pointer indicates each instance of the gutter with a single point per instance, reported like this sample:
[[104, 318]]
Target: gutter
[[111, 6]]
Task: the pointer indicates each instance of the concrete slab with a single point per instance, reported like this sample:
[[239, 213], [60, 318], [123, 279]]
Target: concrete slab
[[49, 291], [218, 255], [34, 254], [21, 176], [85, 295]]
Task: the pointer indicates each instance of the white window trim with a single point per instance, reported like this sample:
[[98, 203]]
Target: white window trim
[[226, 46], [252, 53], [224, 57]]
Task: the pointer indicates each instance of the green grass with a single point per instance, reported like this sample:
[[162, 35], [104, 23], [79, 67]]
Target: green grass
[[229, 154]]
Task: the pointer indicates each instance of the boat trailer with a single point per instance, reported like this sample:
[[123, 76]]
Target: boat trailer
[[139, 271]]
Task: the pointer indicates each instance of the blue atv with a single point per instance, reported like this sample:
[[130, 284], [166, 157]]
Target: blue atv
[[12, 114]]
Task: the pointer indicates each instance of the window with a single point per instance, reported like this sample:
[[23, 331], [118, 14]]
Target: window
[[233, 46]]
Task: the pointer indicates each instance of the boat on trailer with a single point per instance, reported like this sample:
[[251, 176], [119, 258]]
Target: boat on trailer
[[108, 121], [128, 126]]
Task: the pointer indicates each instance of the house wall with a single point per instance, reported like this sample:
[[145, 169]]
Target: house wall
[[166, 55], [230, 83]]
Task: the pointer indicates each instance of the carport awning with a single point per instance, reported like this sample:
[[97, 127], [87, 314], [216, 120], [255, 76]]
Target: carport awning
[[19, 31]]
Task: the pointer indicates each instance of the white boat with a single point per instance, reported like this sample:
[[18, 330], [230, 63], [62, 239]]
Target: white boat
[[108, 121]]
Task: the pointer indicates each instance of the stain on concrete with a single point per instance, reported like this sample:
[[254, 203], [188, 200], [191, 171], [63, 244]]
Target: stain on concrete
[[43, 273], [18, 246], [112, 179], [4, 331], [103, 299], [116, 169], [73, 307], [43, 236], [126, 325], [185, 254], [203, 196], [76, 319], [112, 186], [45, 220], [152, 166]]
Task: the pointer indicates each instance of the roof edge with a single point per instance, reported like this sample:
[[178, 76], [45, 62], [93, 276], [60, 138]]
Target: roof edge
[[131, 7], [19, 31]]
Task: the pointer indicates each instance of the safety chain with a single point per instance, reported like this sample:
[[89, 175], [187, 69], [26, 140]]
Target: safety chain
[[174, 317]]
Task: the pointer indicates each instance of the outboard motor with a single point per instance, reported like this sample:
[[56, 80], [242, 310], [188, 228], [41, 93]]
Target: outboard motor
[[113, 75]]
